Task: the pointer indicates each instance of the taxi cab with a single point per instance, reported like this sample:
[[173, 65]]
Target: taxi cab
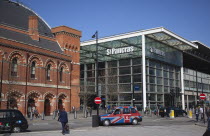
[[122, 114]]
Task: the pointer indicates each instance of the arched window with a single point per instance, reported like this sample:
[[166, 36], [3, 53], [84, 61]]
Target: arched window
[[61, 74], [33, 69], [48, 71], [14, 67]]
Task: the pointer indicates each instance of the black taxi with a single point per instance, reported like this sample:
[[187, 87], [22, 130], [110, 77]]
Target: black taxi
[[12, 120]]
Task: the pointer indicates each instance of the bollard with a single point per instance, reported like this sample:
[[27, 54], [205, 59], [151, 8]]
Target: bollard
[[172, 114], [95, 121], [31, 116], [42, 115], [75, 114], [190, 114], [54, 114]]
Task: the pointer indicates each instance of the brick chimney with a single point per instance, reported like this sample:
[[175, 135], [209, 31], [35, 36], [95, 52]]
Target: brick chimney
[[33, 27]]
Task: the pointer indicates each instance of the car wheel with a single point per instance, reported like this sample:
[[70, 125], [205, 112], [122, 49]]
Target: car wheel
[[135, 122], [16, 130], [106, 122]]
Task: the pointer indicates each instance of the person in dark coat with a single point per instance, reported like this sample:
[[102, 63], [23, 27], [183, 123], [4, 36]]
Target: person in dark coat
[[63, 118], [207, 132]]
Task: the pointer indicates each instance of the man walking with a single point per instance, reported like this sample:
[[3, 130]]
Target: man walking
[[197, 111], [63, 118]]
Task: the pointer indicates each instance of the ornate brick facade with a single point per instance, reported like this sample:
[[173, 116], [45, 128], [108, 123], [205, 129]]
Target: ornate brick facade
[[39, 66]]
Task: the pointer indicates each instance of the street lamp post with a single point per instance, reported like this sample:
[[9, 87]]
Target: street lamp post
[[96, 69]]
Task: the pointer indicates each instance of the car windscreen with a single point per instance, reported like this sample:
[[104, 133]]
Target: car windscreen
[[4, 115], [10, 114]]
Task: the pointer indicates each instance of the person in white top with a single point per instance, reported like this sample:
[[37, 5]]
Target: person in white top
[[201, 112]]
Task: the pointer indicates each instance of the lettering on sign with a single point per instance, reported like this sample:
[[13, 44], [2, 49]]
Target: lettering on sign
[[157, 51], [119, 50]]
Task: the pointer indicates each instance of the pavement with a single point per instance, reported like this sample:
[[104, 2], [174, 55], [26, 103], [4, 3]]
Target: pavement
[[151, 125]]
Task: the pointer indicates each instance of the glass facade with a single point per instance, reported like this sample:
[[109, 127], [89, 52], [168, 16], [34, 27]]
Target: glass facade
[[195, 83], [120, 74]]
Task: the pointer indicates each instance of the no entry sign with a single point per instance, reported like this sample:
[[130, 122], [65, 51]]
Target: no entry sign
[[97, 100], [202, 96]]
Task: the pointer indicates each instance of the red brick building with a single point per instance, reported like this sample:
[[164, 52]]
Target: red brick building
[[39, 66]]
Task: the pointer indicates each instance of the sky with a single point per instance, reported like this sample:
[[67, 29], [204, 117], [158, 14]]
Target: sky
[[189, 19]]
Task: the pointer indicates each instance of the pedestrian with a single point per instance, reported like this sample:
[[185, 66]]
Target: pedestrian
[[207, 113], [197, 111], [201, 112], [63, 118], [207, 132], [90, 111]]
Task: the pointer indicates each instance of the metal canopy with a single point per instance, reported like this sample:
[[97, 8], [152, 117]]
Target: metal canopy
[[88, 48]]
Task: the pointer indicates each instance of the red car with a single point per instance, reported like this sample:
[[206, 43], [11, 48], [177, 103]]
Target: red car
[[122, 114]]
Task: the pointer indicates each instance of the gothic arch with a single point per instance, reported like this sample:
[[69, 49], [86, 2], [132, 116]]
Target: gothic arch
[[34, 94], [37, 59], [14, 93], [19, 55], [49, 94], [50, 61], [63, 64], [62, 95]]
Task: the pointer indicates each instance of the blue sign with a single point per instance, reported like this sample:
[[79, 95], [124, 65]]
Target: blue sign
[[136, 88]]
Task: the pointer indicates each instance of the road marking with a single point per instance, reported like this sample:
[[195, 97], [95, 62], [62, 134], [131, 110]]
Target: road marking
[[55, 131], [37, 124]]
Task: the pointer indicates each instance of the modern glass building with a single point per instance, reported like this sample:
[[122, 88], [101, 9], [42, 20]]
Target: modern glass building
[[142, 68]]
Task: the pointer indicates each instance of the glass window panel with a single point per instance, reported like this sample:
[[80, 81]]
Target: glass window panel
[[137, 69], [101, 65], [124, 70], [186, 83], [125, 88], [111, 89], [136, 61], [159, 65], [81, 67], [153, 97], [177, 83], [159, 73], [124, 79], [159, 88], [152, 63], [124, 62], [171, 83], [138, 96], [165, 67], [112, 64], [159, 97], [165, 81], [171, 69], [171, 75], [159, 81], [101, 80], [90, 73], [177, 76], [152, 79], [101, 72], [151, 71], [112, 79], [165, 74], [166, 89], [137, 78], [90, 66], [152, 88], [125, 97], [112, 71]]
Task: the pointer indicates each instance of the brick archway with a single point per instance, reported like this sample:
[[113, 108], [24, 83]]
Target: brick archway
[[48, 103], [61, 98], [13, 99], [32, 102]]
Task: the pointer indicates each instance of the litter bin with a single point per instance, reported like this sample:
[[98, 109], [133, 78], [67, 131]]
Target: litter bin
[[95, 121]]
